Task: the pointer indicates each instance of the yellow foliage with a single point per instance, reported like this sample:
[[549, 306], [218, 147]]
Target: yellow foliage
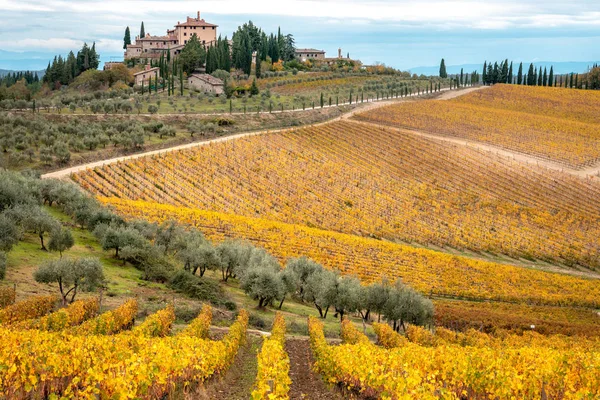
[[351, 335], [523, 370], [158, 324], [35, 364], [272, 378], [7, 296], [199, 327], [72, 315], [387, 337], [428, 271], [557, 124], [33, 307], [110, 322]]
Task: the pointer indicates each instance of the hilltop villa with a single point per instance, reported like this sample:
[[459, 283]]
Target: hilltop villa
[[153, 46]]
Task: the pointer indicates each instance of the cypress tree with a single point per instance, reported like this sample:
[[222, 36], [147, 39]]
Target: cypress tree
[[531, 76], [443, 73], [258, 66], [126, 38], [503, 76], [461, 77], [181, 81], [551, 77], [520, 74], [576, 81], [545, 78], [540, 77], [484, 75], [510, 74], [496, 74], [142, 30]]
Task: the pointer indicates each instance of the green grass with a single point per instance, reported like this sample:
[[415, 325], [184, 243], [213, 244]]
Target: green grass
[[296, 313], [124, 281]]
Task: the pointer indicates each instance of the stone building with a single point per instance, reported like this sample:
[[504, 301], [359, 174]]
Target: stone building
[[145, 75], [175, 39], [309, 54], [206, 83]]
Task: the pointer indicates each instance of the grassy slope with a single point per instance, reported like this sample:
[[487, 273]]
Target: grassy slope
[[124, 281]]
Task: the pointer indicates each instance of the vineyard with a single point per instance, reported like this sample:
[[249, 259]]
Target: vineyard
[[378, 183], [428, 271], [549, 123], [574, 105], [103, 357], [448, 365]]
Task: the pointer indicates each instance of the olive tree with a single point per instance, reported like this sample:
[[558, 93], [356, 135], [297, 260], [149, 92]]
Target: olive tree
[[262, 283], [260, 277], [405, 305], [61, 240], [200, 257], [2, 266], [289, 284], [119, 237], [347, 295], [321, 290], [9, 233], [170, 236], [232, 254], [71, 275], [302, 268], [40, 222]]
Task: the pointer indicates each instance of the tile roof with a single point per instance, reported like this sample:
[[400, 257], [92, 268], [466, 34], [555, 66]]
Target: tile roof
[[146, 70], [195, 22], [309, 51], [208, 79]]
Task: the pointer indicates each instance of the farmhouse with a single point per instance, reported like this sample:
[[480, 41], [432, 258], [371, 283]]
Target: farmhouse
[[206, 83], [175, 39], [309, 54], [145, 75]]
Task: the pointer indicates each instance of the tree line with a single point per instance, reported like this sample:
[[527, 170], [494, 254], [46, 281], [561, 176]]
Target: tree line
[[503, 73], [180, 256], [13, 77], [62, 71]]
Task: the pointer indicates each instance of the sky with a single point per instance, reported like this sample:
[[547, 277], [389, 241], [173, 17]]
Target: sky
[[399, 33]]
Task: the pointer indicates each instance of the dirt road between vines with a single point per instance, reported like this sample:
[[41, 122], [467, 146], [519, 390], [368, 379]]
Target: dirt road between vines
[[66, 173]]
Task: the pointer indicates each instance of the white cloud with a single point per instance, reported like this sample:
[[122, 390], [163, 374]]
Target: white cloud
[[45, 44], [489, 14], [10, 5]]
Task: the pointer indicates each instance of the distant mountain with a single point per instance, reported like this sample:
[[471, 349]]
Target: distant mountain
[[559, 67], [4, 72]]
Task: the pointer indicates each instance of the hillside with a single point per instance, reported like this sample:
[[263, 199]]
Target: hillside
[[375, 183]]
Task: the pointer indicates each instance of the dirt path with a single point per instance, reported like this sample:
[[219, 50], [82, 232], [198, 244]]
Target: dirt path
[[65, 173], [306, 384], [237, 382], [516, 156]]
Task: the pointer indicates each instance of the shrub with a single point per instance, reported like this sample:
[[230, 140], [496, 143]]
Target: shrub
[[2, 266], [198, 288]]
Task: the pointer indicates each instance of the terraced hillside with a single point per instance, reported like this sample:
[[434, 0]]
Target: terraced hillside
[[373, 182], [555, 124]]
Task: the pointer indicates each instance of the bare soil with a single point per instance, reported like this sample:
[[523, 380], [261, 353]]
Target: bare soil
[[236, 383], [306, 384]]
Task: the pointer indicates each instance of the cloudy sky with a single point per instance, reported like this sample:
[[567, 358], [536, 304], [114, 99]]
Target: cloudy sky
[[400, 33]]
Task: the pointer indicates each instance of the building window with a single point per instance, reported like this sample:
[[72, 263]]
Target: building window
[[213, 28], [185, 42], [185, 34], [203, 28]]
